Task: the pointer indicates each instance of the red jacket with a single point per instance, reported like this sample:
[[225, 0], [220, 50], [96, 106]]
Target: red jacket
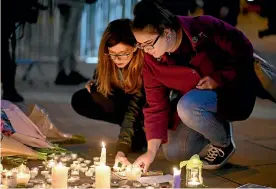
[[205, 41]]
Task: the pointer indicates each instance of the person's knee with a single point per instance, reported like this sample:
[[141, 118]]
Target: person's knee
[[176, 155], [78, 99], [187, 106]]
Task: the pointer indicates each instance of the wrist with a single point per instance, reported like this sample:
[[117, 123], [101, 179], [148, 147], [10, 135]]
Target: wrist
[[153, 146]]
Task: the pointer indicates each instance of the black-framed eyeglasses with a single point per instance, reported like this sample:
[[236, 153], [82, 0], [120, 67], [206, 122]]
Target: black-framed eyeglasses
[[119, 56], [148, 47]]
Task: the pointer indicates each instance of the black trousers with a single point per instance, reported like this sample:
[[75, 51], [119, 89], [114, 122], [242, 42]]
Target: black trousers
[[110, 109], [8, 65]]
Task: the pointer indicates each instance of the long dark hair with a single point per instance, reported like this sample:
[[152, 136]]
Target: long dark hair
[[118, 31], [153, 16]]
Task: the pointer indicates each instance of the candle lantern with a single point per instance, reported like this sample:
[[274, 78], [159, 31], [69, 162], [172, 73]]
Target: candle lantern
[[193, 171], [23, 174]]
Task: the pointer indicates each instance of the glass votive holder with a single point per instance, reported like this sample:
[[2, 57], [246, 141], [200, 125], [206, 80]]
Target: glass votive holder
[[49, 180], [133, 173], [34, 172], [75, 172], [83, 169], [96, 161], [86, 185], [45, 172], [63, 153], [83, 165], [71, 179], [80, 160], [87, 162], [63, 159], [74, 156]]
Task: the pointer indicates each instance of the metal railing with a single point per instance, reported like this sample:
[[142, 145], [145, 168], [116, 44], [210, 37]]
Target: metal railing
[[41, 40]]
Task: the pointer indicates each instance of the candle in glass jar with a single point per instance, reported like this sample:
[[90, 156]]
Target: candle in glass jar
[[176, 178], [103, 155], [103, 176], [23, 178], [59, 176]]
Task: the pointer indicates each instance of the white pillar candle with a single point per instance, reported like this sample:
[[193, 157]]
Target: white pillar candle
[[176, 178], [103, 155], [59, 176], [103, 176]]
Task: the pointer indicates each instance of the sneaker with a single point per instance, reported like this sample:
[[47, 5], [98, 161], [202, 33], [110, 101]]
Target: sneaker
[[74, 78], [218, 156]]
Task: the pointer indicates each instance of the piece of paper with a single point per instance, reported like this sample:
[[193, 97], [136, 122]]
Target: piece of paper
[[249, 185], [156, 179]]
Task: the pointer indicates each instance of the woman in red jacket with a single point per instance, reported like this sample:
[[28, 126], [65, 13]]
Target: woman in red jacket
[[209, 64]]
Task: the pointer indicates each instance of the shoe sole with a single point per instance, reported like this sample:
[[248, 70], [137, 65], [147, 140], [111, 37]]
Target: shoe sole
[[213, 167]]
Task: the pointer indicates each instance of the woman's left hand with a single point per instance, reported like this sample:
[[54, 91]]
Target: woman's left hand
[[207, 83]]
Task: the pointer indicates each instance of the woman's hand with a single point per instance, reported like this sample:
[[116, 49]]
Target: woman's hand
[[144, 161], [121, 158], [207, 83], [89, 84]]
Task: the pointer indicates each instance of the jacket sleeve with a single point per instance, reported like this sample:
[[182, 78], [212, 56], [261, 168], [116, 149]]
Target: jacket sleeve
[[233, 42], [157, 107], [127, 128]]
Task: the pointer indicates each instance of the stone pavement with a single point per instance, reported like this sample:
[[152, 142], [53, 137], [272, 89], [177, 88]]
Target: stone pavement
[[253, 162]]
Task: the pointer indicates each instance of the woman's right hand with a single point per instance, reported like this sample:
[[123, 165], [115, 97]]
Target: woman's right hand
[[89, 84], [121, 158]]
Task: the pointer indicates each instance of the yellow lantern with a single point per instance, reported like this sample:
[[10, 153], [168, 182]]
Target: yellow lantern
[[193, 171]]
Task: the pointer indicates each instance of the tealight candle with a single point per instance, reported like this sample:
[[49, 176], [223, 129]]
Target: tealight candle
[[136, 184], [74, 156], [51, 163], [23, 178], [74, 172], [34, 172], [114, 183], [71, 179], [63, 153], [96, 161], [133, 173], [83, 164], [80, 160], [49, 180], [149, 187], [76, 177], [10, 179], [83, 169], [64, 159], [44, 173], [87, 161], [85, 185]]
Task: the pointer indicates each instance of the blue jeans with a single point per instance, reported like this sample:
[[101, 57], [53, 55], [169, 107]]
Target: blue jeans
[[197, 109]]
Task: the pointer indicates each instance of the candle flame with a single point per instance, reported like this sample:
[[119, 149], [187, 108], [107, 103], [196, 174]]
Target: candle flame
[[176, 171], [103, 144]]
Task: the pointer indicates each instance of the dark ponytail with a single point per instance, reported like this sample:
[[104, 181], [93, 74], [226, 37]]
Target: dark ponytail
[[152, 14]]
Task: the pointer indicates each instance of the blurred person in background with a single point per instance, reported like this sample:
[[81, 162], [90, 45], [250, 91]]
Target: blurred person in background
[[71, 12], [17, 13], [115, 93], [226, 10], [268, 10]]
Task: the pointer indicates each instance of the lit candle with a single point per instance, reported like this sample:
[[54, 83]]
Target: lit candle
[[103, 176], [59, 176], [176, 178], [10, 179], [23, 178], [103, 155], [51, 163]]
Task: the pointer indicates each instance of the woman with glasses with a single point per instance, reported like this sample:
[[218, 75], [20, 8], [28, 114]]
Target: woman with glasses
[[115, 93], [209, 65]]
